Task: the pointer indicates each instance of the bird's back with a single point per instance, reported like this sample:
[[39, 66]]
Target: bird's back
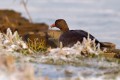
[[70, 37]]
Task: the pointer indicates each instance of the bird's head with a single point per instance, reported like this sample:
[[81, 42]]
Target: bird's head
[[61, 24]]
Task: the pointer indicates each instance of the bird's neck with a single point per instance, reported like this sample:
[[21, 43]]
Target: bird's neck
[[65, 29]]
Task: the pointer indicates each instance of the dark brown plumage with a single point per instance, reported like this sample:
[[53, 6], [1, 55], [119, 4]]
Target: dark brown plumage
[[70, 37]]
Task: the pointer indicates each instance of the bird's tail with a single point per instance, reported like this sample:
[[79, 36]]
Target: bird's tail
[[107, 45]]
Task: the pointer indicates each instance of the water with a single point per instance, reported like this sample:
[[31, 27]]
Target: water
[[99, 17], [92, 68]]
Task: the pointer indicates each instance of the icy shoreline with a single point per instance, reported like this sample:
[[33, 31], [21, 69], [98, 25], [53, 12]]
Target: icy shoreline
[[59, 63]]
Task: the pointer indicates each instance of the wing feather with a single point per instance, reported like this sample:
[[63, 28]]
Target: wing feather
[[69, 38]]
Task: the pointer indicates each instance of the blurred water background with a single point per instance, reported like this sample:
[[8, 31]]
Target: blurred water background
[[99, 17]]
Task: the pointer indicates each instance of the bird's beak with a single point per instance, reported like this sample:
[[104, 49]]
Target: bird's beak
[[53, 25]]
